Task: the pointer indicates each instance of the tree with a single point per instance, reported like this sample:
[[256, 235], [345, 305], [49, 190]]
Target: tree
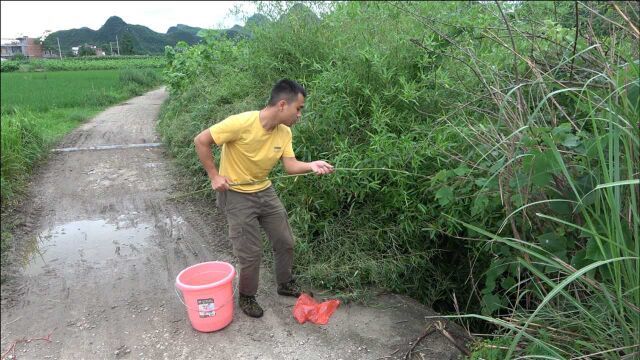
[[86, 50], [105, 48], [19, 57], [126, 44]]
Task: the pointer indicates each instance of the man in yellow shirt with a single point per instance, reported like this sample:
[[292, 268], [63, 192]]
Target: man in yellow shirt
[[252, 143]]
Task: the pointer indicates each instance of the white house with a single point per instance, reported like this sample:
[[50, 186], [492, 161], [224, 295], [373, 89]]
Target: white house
[[99, 52]]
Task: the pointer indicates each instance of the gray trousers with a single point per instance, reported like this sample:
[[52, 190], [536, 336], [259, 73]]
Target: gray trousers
[[246, 213]]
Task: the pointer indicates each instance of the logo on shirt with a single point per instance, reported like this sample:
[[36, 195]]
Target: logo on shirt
[[277, 149]]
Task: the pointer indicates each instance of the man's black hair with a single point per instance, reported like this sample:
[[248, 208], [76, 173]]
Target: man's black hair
[[286, 89]]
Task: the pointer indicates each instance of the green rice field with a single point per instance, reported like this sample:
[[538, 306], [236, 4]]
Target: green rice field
[[43, 91], [84, 63]]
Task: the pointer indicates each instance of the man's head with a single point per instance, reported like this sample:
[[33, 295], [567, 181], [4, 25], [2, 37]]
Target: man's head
[[287, 98]]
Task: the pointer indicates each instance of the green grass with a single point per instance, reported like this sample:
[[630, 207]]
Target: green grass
[[53, 90], [26, 136], [578, 295]]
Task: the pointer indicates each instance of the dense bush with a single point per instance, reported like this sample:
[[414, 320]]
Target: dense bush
[[8, 66], [485, 152]]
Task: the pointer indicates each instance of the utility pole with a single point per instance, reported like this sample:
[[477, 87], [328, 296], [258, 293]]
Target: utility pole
[[118, 45], [59, 51], [111, 46]]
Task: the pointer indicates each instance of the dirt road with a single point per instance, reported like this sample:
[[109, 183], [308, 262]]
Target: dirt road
[[101, 245]]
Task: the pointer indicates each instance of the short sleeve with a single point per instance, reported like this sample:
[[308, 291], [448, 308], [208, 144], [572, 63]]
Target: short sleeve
[[227, 130], [288, 147], [288, 150]]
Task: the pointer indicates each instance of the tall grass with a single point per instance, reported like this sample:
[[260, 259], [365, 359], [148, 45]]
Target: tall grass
[[575, 240]]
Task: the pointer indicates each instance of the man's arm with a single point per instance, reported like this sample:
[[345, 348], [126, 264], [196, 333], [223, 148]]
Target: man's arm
[[294, 166], [203, 143]]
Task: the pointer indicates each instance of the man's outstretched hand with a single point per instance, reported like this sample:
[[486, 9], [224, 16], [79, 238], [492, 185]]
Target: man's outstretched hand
[[320, 167]]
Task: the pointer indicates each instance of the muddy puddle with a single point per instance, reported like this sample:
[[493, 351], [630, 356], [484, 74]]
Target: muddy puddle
[[92, 242]]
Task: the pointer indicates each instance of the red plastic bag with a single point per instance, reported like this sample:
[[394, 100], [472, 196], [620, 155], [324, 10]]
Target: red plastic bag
[[306, 308]]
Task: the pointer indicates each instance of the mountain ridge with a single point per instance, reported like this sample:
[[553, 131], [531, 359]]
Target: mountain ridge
[[140, 40], [132, 38]]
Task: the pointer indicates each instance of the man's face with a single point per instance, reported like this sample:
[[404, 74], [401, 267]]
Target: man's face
[[291, 112]]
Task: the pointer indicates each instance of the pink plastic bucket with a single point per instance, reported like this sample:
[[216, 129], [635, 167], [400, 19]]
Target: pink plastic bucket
[[207, 289]]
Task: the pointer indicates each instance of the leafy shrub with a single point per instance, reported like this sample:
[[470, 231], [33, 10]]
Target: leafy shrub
[[8, 66], [486, 151]]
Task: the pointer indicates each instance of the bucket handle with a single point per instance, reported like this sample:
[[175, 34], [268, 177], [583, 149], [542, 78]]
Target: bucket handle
[[233, 296]]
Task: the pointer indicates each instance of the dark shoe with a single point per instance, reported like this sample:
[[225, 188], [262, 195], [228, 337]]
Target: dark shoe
[[250, 306], [291, 289]]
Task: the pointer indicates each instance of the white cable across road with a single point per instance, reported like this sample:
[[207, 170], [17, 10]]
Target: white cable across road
[[107, 147]]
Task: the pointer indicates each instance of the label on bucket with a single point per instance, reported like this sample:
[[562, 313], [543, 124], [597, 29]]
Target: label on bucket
[[205, 308]]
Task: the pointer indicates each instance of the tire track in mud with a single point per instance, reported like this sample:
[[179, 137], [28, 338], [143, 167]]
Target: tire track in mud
[[102, 243]]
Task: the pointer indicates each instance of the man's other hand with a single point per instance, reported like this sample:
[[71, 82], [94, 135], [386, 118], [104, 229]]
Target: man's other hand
[[220, 183]]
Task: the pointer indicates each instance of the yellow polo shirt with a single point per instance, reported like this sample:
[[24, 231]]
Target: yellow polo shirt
[[249, 152]]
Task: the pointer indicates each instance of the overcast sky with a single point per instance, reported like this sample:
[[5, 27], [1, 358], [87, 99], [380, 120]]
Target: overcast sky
[[33, 18]]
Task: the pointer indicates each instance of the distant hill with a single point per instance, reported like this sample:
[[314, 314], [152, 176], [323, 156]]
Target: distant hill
[[140, 40], [300, 12], [133, 39], [256, 20], [181, 32], [238, 32]]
